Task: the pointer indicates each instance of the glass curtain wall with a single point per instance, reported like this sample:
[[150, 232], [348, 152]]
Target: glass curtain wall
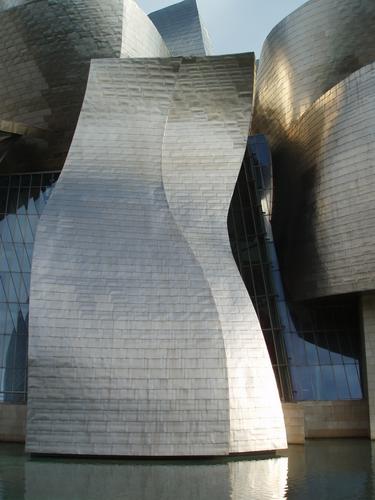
[[22, 200], [315, 347]]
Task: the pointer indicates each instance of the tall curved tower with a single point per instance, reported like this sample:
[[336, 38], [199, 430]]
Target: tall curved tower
[[143, 339]]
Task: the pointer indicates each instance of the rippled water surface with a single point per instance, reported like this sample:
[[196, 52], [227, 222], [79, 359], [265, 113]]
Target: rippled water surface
[[341, 469]]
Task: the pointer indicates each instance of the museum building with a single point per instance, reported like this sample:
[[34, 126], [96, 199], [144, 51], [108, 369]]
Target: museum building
[[170, 283]]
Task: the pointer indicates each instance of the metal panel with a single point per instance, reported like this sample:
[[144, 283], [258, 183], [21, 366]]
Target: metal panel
[[182, 30], [143, 340], [322, 152], [305, 55], [45, 53], [326, 205]]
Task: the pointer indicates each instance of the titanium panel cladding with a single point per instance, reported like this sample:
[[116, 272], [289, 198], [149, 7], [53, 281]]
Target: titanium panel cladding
[[182, 29], [327, 203], [143, 339], [305, 55], [45, 53]]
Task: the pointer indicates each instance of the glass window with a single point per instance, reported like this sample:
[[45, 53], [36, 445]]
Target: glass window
[[3, 199], [317, 342], [20, 209], [311, 354], [353, 377], [341, 382]]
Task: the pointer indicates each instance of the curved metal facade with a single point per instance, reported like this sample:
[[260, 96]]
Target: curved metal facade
[[305, 109], [182, 30], [327, 237], [143, 338], [305, 55], [45, 54]]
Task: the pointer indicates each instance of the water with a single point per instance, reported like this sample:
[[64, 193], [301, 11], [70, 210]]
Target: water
[[327, 469]]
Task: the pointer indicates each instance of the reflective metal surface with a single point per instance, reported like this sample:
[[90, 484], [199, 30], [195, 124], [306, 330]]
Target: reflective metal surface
[[182, 29], [325, 205], [45, 53], [305, 55], [319, 121], [143, 340]]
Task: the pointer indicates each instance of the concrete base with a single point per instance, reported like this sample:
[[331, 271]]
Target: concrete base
[[294, 418], [326, 419], [12, 423], [304, 420]]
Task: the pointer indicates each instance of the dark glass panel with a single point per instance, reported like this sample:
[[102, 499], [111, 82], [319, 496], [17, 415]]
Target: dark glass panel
[[353, 378], [23, 290], [323, 354], [11, 257], [31, 208], [341, 382], [296, 349], [39, 204], [6, 234], [21, 352], [248, 279], [15, 181], [8, 285], [36, 181], [25, 228], [20, 251], [29, 250], [19, 381], [268, 336], [335, 349], [260, 285], [12, 201], [17, 236], [26, 279], [2, 383], [311, 354], [4, 181], [25, 181], [3, 260], [3, 199], [3, 317], [9, 351], [264, 313], [23, 200], [327, 388], [304, 382]]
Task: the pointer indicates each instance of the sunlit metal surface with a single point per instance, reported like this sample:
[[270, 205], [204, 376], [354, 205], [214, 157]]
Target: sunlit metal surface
[[143, 339], [45, 53], [324, 214], [305, 55], [318, 120], [182, 30]]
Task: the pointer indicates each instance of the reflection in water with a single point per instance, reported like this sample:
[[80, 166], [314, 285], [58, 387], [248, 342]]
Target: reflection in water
[[257, 480], [332, 470]]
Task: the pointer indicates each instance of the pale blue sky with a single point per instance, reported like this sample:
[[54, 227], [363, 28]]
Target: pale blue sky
[[236, 25]]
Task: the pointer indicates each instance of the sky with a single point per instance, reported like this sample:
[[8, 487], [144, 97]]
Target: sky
[[236, 25]]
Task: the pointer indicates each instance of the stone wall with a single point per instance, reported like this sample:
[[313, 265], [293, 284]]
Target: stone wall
[[12, 423], [326, 419]]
